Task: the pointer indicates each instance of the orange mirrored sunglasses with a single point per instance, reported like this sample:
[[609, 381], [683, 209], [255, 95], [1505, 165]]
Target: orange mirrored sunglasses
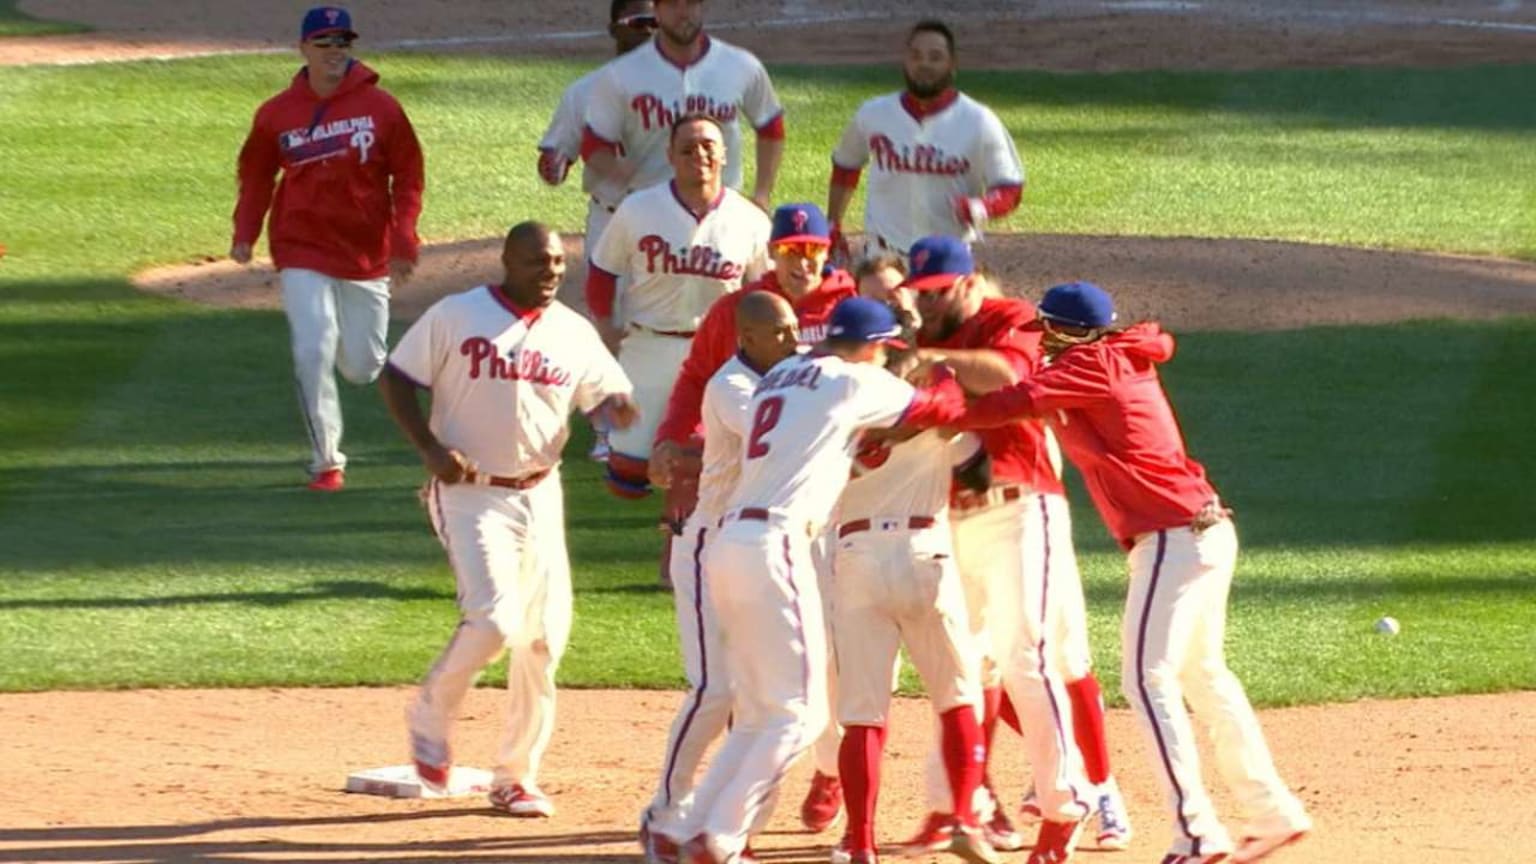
[[800, 250]]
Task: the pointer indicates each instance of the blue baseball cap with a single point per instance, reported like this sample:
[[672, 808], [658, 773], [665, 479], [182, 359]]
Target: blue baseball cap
[[800, 223], [1078, 304], [936, 262], [860, 319], [325, 20]]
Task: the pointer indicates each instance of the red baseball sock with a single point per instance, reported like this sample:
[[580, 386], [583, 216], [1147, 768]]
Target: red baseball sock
[[964, 758], [1006, 713], [1088, 726], [858, 766]]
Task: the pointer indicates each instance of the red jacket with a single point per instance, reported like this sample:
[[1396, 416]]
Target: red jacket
[[715, 342], [1108, 408], [1017, 450], [351, 184]]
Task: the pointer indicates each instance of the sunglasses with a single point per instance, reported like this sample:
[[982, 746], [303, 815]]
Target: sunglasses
[[638, 22], [331, 42], [800, 250]]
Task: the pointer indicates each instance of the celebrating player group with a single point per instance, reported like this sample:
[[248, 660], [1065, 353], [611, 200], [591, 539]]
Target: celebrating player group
[[858, 448]]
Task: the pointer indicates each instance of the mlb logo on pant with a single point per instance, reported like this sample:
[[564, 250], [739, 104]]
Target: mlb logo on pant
[[889, 524]]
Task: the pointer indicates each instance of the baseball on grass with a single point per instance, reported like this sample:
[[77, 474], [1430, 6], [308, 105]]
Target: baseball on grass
[[1387, 625]]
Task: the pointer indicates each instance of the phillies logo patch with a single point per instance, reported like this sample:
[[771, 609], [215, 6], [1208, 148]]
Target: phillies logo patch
[[801, 219], [332, 15], [700, 260], [920, 260], [515, 365], [916, 159]]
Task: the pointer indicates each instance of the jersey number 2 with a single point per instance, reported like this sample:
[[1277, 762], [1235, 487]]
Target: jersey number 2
[[763, 421]]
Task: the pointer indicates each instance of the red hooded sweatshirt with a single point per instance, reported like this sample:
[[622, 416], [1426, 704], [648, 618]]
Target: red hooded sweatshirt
[[715, 343], [1107, 407], [351, 184]]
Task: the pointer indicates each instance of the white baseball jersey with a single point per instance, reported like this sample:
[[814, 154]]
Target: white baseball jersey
[[677, 263], [904, 480], [726, 414], [564, 137], [806, 416], [639, 95], [918, 167], [504, 380]]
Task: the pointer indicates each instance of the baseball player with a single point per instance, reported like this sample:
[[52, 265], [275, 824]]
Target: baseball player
[[939, 161], [897, 585], [805, 414], [682, 244], [630, 23], [798, 245], [343, 223], [639, 97], [766, 333], [1102, 397], [505, 365], [1026, 605]]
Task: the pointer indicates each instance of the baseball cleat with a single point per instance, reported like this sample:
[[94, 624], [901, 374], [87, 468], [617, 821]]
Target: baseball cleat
[[329, 480], [844, 853], [1213, 858], [525, 802], [970, 844], [1055, 843], [434, 777], [1114, 825], [935, 835], [698, 851], [823, 802], [1001, 834]]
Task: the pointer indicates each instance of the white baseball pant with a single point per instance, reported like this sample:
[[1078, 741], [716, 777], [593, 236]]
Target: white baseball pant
[[706, 708], [1172, 646], [652, 362], [825, 749], [769, 607], [507, 550], [1025, 604], [896, 585], [334, 325]]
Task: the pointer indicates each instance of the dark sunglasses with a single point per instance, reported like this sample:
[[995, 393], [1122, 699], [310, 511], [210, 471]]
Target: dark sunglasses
[[331, 42], [638, 22]]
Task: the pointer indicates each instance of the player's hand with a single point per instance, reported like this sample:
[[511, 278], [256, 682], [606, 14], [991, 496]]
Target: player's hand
[[763, 200], [445, 463], [611, 334], [620, 410], [842, 256], [664, 458], [400, 271], [240, 253], [553, 167]]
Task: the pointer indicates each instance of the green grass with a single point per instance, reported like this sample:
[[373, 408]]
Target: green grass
[[152, 527], [14, 22]]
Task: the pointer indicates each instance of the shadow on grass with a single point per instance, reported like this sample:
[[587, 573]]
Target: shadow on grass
[[344, 590]]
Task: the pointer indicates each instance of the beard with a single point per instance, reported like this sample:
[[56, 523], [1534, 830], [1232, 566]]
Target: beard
[[683, 34], [928, 91]]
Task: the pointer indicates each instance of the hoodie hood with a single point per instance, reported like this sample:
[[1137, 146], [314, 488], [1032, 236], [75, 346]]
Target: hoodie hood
[[1145, 341]]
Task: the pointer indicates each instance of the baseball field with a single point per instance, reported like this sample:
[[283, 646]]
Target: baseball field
[[1333, 206]]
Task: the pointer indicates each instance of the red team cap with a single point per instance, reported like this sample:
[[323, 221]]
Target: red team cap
[[326, 21], [860, 319], [800, 223], [937, 262]]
